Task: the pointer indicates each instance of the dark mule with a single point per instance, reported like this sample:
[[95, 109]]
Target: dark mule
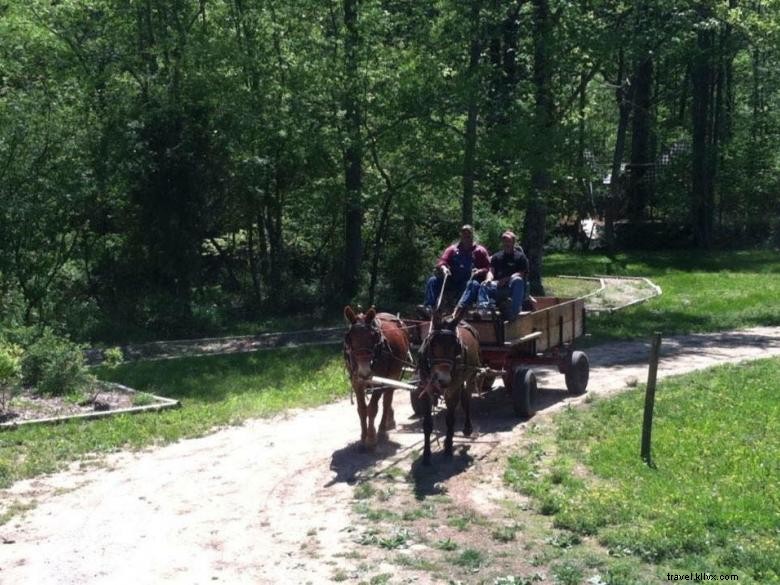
[[449, 359], [376, 344]]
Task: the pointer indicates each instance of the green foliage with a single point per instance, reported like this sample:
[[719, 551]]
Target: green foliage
[[55, 366], [143, 399], [470, 558], [364, 491], [568, 573], [112, 357], [10, 372], [178, 169], [447, 544]]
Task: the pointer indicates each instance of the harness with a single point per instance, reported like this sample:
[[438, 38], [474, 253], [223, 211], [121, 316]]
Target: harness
[[374, 353], [428, 362], [458, 364]]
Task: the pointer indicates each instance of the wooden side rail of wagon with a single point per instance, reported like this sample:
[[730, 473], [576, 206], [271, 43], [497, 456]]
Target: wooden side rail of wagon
[[510, 349]]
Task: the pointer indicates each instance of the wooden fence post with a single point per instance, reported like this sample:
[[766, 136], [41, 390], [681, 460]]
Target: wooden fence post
[[647, 423]]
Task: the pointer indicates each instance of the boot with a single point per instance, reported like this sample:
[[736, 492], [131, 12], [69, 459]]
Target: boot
[[424, 311]]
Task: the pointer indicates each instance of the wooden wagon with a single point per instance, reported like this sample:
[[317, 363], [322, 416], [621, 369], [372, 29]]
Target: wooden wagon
[[510, 349]]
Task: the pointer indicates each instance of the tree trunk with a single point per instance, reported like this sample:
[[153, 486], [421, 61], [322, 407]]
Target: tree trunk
[[470, 146], [534, 225], [624, 95], [503, 84], [253, 271], [703, 168], [640, 176], [353, 156]]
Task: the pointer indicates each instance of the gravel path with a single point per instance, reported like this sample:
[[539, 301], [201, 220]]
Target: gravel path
[[270, 501]]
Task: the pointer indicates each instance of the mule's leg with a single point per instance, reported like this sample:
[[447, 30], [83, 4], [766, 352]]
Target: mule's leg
[[360, 398], [388, 416], [373, 408], [452, 404], [427, 428], [465, 400]]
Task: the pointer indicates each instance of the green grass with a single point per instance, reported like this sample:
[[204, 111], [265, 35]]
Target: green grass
[[701, 291], [214, 391], [569, 287], [470, 558], [713, 501]]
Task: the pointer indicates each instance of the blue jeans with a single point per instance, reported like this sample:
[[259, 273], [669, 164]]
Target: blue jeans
[[515, 289], [433, 289], [470, 294]]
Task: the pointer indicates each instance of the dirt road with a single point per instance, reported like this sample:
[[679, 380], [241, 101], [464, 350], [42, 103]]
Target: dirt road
[[270, 501]]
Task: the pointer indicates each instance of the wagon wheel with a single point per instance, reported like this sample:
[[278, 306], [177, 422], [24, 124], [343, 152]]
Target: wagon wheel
[[577, 373], [523, 392]]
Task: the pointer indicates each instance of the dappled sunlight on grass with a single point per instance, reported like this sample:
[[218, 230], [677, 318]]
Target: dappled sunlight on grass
[[712, 501]]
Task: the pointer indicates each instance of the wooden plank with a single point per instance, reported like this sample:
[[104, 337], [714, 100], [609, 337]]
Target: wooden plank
[[164, 404], [380, 381], [558, 319], [486, 331]]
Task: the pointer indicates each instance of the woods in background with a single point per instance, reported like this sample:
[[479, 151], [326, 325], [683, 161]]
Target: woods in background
[[168, 163]]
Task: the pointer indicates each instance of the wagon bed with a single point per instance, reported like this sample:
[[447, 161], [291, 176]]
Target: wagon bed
[[510, 349]]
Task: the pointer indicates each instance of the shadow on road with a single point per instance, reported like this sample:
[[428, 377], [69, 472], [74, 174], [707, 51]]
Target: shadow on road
[[349, 461], [428, 479]]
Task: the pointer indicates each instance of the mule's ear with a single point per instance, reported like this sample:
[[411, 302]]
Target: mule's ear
[[349, 314], [370, 314]]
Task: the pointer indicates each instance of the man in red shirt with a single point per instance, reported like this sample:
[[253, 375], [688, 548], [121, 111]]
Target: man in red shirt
[[466, 264]]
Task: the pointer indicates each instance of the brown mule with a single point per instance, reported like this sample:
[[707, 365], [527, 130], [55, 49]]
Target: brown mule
[[449, 359], [376, 344]]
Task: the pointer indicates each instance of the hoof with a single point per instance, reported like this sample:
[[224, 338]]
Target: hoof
[[390, 425], [467, 431]]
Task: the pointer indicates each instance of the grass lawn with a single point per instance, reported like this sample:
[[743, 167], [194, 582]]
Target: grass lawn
[[711, 505], [214, 391], [701, 291]]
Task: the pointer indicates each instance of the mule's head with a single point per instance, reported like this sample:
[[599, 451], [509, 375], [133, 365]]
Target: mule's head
[[441, 351], [362, 341]]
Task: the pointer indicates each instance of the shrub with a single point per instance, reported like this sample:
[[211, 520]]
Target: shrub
[[10, 370], [112, 357], [53, 365]]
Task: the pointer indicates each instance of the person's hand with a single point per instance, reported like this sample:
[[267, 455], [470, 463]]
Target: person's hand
[[445, 270], [503, 281]]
